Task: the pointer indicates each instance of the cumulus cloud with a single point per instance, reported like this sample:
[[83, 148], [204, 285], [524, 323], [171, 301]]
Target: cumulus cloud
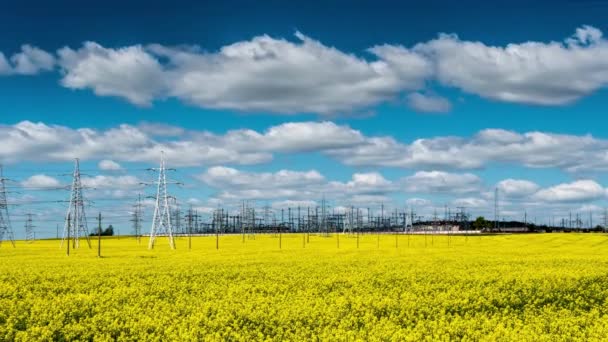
[[262, 74], [29, 141], [5, 68], [371, 183], [517, 187], [289, 185], [129, 72], [296, 137], [160, 129], [552, 73], [581, 190], [531, 149], [439, 181], [303, 75], [30, 60], [109, 165], [229, 178], [418, 202], [41, 181], [470, 202], [428, 103], [111, 182]]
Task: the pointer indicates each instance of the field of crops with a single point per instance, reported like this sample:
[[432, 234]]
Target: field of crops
[[547, 287]]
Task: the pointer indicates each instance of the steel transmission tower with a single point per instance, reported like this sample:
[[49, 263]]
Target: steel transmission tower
[[161, 221], [76, 219], [5, 222], [29, 229], [137, 218], [351, 221]]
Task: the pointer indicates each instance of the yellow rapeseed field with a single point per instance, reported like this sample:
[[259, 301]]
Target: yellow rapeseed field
[[549, 287]]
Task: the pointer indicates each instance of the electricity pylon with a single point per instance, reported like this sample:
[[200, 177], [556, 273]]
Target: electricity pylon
[[137, 219], [161, 221], [350, 224], [5, 222], [29, 229], [75, 218]]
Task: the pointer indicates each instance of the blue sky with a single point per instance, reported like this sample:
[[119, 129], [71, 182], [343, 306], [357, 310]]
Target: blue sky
[[364, 102]]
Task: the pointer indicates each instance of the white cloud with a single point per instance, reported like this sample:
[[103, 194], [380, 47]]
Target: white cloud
[[229, 178], [585, 35], [111, 182], [296, 137], [470, 202], [593, 208], [539, 73], [294, 204], [5, 68], [129, 72], [517, 187], [109, 165], [125, 143], [418, 202], [266, 74], [288, 185], [160, 129], [29, 61], [32, 60], [530, 149], [367, 200], [28, 141], [428, 103], [581, 190], [439, 181], [363, 183], [262, 74], [41, 181], [41, 142]]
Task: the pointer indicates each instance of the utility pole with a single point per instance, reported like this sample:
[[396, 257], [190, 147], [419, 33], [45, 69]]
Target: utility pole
[[99, 236], [189, 218], [178, 217], [161, 221], [77, 225], [496, 226], [68, 241], [243, 215]]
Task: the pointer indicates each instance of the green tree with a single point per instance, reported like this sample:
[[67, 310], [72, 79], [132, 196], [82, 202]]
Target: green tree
[[480, 223]]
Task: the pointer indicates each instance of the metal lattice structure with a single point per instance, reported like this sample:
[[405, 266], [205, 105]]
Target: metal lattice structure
[[6, 230], [30, 236], [76, 219], [247, 219], [137, 218], [351, 223], [161, 221]]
